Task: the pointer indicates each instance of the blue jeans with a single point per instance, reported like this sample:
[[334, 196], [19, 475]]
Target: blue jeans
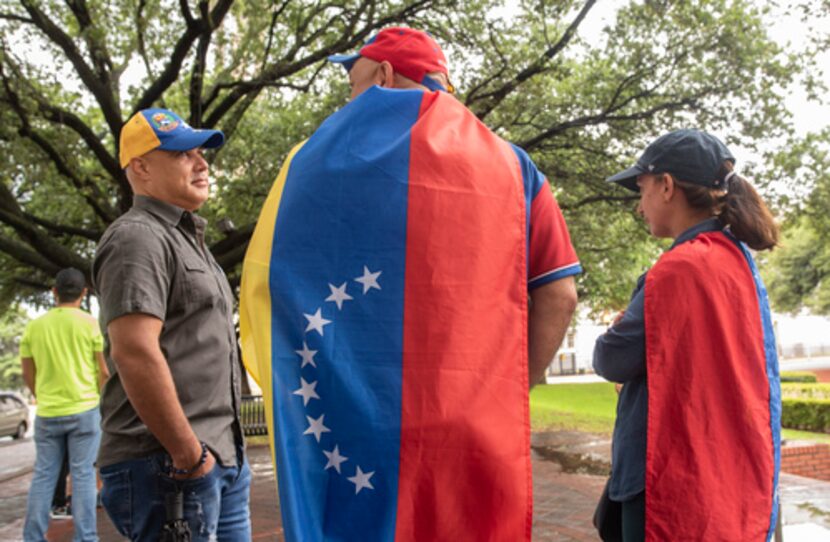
[[216, 506], [78, 435]]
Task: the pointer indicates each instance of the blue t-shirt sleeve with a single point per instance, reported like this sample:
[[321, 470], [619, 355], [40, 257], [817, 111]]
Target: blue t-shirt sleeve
[[620, 352]]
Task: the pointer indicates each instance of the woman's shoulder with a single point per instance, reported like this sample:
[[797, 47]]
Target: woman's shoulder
[[699, 258]]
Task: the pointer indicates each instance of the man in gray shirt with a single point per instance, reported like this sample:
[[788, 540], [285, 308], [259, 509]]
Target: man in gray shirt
[[171, 409]]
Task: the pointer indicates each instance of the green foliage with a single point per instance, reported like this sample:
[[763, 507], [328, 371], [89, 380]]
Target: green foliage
[[583, 106], [805, 390], [579, 407], [797, 274], [12, 324], [797, 376], [806, 414]]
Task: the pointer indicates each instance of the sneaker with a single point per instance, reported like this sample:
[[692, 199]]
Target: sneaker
[[60, 512]]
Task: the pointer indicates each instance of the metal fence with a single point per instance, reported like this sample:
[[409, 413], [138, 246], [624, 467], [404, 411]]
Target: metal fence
[[252, 416], [563, 364]]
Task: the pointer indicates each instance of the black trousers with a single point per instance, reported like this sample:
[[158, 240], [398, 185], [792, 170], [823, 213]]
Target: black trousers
[[634, 519]]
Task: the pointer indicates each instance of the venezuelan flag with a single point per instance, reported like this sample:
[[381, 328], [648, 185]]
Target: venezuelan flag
[[713, 451], [384, 314]]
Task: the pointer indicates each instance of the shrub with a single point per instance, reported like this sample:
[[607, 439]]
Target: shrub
[[795, 390], [806, 414], [798, 376]]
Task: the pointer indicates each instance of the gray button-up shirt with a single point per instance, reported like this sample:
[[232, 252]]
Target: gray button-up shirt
[[153, 260]]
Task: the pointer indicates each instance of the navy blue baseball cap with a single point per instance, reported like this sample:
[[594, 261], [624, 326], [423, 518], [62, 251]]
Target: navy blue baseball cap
[[690, 155]]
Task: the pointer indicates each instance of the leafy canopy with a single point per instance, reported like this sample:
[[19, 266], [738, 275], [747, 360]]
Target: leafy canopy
[[583, 105]]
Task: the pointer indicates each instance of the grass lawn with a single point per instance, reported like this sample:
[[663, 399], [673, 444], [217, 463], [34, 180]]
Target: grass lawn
[[575, 407], [795, 434], [592, 408]]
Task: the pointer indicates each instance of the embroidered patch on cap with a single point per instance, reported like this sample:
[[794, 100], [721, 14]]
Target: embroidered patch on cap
[[164, 122]]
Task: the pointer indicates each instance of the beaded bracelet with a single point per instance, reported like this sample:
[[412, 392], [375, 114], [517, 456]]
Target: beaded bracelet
[[173, 471]]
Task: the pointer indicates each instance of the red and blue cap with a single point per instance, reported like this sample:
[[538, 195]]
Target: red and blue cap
[[412, 53], [151, 129]]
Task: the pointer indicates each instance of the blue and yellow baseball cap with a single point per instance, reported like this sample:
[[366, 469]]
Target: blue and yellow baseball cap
[[151, 129]]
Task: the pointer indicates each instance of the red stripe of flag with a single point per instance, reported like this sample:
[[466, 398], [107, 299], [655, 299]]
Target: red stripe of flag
[[465, 463]]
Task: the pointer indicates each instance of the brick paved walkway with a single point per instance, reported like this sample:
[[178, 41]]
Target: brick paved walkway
[[564, 505]]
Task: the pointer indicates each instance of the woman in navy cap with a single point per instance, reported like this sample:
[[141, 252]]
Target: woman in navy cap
[[696, 449]]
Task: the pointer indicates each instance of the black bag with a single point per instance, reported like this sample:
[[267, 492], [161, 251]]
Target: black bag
[[608, 518]]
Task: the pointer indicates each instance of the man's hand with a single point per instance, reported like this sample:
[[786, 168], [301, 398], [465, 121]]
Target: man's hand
[[552, 306], [149, 385], [203, 470]]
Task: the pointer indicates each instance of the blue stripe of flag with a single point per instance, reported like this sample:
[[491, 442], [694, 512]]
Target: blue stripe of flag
[[771, 354], [344, 206]]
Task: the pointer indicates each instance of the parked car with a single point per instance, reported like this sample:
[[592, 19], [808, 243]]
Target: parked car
[[14, 416]]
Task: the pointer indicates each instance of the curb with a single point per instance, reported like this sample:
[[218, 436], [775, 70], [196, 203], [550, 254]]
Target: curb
[[15, 474]]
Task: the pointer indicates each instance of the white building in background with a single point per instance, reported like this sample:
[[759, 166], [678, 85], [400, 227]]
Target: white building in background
[[800, 336]]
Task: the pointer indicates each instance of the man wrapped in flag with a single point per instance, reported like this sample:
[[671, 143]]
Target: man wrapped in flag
[[409, 277]]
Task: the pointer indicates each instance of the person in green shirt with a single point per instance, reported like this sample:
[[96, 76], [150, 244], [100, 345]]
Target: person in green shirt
[[64, 367]]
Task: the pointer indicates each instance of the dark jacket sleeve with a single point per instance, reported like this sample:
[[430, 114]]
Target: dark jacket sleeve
[[620, 352]]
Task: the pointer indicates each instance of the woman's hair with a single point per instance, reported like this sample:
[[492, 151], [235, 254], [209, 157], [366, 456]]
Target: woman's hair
[[739, 207]]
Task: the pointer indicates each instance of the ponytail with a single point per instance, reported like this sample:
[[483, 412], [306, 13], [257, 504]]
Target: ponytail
[[740, 208]]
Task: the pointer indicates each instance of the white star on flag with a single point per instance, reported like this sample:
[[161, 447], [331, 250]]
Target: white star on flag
[[316, 427], [307, 391], [334, 459], [307, 355], [369, 280], [339, 295], [316, 322], [361, 480]]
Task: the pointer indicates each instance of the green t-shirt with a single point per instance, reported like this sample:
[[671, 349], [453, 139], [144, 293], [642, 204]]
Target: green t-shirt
[[63, 343]]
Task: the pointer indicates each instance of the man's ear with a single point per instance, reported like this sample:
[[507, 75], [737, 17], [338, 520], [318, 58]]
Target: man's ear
[[385, 75], [139, 169]]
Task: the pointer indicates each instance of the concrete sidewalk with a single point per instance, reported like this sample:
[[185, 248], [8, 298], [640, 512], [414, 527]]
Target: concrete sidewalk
[[564, 505], [569, 472]]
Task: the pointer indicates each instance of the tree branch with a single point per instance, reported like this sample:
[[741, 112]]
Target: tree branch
[[66, 118], [240, 235], [103, 95], [140, 28], [596, 199], [229, 260], [40, 242], [590, 120], [492, 99], [475, 89], [197, 74], [25, 130], [14, 17], [177, 56], [92, 235], [282, 69], [274, 18], [24, 255], [30, 283], [97, 50]]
